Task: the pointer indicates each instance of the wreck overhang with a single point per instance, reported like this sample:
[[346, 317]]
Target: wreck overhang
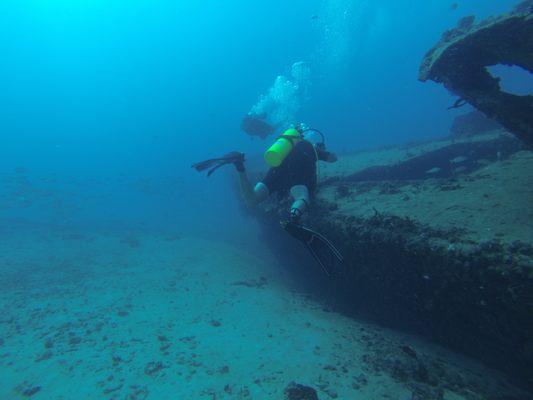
[[460, 60]]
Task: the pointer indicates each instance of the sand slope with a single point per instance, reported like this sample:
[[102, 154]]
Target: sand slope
[[125, 315]]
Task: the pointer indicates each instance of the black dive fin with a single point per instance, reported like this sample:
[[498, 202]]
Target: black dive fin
[[202, 166], [220, 164], [215, 163], [322, 250]]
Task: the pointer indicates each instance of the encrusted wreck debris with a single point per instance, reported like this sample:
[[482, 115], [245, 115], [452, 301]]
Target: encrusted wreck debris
[[460, 58], [442, 249]]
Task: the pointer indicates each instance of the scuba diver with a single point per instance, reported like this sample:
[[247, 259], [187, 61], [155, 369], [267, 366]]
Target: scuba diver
[[293, 171]]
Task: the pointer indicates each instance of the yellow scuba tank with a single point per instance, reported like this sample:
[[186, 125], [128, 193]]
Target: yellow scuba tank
[[275, 155]]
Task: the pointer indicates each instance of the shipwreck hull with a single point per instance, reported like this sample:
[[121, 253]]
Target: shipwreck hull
[[410, 272]]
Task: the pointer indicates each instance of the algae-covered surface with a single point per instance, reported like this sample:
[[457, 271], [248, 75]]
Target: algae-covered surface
[[133, 315], [351, 163], [495, 202]]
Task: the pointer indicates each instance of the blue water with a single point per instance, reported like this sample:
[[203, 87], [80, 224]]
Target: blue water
[[129, 88]]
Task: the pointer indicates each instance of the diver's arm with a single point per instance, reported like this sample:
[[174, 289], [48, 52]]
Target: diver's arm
[[331, 157], [324, 155]]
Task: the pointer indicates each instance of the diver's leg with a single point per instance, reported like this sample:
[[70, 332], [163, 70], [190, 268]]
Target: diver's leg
[[300, 195], [261, 192], [255, 195]]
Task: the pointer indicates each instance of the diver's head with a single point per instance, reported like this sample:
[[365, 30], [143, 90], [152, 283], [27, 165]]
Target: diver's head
[[300, 127], [314, 136]]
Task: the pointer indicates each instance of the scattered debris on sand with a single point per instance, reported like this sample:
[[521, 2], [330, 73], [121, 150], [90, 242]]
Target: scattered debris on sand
[[295, 391]]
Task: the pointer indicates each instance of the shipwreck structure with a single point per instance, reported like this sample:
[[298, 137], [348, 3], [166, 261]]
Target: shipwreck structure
[[460, 58], [436, 239]]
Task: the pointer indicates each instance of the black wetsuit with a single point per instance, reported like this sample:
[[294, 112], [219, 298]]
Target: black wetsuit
[[299, 168]]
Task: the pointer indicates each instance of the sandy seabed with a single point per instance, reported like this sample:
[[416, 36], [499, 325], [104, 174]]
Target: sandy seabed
[[115, 315]]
